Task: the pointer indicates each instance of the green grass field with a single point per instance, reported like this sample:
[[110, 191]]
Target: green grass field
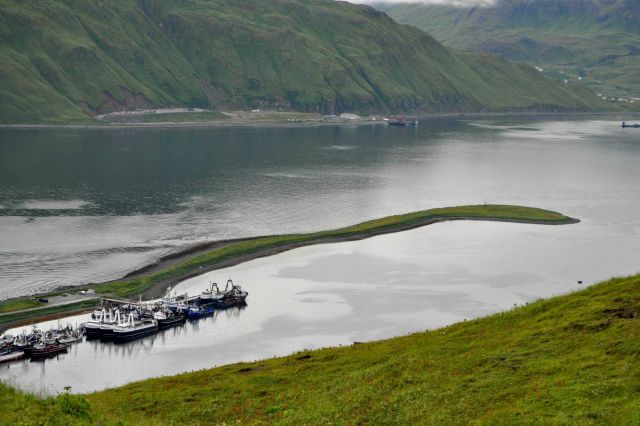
[[573, 359], [19, 304], [16, 314]]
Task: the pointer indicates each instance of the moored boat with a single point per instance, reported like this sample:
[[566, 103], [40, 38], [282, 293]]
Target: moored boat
[[106, 331], [401, 121], [71, 338], [174, 303], [92, 330], [42, 350], [167, 318], [25, 341], [197, 311], [233, 295], [210, 296], [8, 355], [134, 329]]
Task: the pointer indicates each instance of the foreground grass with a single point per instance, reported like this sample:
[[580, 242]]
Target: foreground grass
[[266, 245], [572, 359]]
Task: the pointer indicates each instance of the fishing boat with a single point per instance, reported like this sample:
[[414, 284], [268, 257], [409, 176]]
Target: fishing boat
[[630, 126], [174, 303], [42, 350], [25, 341], [97, 313], [8, 355], [397, 122], [72, 338], [210, 296], [62, 334], [167, 318], [102, 327], [6, 341], [233, 295], [134, 329], [92, 329], [197, 311], [401, 121]]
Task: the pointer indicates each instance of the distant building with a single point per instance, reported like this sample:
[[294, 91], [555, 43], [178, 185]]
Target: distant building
[[349, 116]]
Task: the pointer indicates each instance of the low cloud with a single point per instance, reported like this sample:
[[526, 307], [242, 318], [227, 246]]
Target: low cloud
[[455, 3]]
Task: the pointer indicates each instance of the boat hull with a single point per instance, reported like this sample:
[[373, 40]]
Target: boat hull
[[230, 302], [171, 322], [106, 333], [48, 351], [203, 312], [92, 331], [12, 356], [121, 336]]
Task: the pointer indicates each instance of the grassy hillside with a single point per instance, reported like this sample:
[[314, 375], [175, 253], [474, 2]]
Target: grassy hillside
[[64, 60], [598, 40], [568, 360]]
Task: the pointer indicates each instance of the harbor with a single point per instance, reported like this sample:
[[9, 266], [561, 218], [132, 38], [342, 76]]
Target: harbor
[[120, 321]]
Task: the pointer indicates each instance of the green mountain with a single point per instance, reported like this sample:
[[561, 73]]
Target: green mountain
[[592, 42], [65, 60]]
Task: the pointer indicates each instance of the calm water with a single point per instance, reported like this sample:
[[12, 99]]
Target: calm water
[[84, 205]]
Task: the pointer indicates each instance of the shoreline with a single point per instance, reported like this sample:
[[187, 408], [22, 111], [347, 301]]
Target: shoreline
[[157, 288], [319, 121]]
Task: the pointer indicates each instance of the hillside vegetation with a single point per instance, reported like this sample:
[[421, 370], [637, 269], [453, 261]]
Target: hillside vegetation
[[568, 360], [66, 60], [596, 40]]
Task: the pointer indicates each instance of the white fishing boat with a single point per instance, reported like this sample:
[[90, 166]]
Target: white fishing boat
[[175, 303], [209, 295], [134, 328]]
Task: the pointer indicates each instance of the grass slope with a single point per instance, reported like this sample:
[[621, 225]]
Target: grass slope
[[598, 40], [61, 60], [572, 359], [246, 249]]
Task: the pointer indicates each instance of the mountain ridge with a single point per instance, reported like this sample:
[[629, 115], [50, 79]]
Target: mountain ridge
[[65, 61], [591, 42]]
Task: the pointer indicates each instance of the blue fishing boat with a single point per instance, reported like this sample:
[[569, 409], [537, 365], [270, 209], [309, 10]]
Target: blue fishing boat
[[196, 311]]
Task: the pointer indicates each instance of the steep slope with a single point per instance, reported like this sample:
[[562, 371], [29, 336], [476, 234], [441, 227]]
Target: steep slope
[[62, 60], [597, 40], [568, 360]]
